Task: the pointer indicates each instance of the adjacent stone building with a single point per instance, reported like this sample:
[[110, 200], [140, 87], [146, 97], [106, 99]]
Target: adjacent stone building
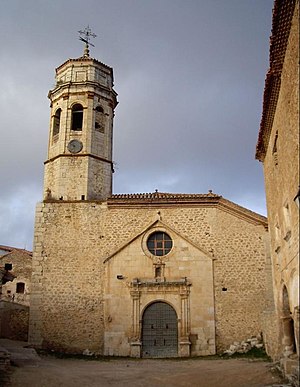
[[15, 293], [141, 275], [278, 150], [18, 288]]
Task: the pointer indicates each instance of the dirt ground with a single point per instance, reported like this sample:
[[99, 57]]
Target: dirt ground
[[54, 372]]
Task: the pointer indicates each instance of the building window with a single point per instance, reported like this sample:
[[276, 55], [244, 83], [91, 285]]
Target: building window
[[159, 243], [274, 152], [99, 109], [77, 117], [20, 287], [56, 122]]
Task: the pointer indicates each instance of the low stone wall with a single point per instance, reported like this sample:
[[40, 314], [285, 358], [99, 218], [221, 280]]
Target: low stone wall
[[14, 321]]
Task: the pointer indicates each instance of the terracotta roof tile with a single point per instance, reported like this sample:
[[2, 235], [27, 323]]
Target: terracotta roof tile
[[161, 195], [281, 25], [11, 249]]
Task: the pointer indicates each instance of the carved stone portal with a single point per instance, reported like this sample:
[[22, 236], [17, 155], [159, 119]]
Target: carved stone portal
[[176, 293]]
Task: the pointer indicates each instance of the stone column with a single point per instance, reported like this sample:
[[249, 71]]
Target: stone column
[[184, 342], [135, 341]]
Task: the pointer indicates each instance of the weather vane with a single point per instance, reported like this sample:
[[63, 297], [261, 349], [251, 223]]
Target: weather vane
[[85, 37]]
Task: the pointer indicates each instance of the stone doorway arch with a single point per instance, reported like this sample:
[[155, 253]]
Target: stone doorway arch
[[159, 331], [288, 329]]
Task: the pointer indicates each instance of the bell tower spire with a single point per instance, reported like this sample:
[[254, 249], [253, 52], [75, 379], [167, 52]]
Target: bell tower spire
[[79, 163]]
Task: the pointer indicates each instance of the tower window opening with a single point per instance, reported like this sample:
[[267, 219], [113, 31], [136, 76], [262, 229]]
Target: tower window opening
[[56, 122], [99, 109], [20, 287], [77, 117]]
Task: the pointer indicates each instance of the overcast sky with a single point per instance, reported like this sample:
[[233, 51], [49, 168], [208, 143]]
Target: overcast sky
[[189, 76]]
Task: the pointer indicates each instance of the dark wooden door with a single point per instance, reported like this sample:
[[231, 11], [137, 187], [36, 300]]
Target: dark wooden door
[[159, 331]]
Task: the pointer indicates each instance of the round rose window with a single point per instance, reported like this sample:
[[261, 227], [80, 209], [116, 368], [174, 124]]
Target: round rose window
[[159, 243]]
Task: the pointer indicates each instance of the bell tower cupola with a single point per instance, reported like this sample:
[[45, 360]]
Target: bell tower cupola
[[79, 164]]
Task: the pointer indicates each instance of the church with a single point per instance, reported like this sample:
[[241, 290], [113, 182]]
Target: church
[[142, 275]]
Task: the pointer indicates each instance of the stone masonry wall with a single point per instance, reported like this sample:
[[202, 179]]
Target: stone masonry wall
[[281, 170], [14, 321], [239, 279], [73, 239]]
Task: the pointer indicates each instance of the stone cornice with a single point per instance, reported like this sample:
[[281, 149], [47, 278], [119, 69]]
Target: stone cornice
[[86, 60], [242, 212], [78, 155], [72, 86]]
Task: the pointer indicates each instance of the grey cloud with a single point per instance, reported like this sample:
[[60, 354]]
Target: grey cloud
[[190, 77]]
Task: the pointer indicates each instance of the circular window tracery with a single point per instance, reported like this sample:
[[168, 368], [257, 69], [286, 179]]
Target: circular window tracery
[[159, 243]]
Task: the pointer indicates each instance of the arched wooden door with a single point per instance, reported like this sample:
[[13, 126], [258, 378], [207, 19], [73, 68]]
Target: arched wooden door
[[159, 331]]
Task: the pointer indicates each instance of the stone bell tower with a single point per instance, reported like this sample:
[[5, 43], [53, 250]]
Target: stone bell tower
[[79, 164]]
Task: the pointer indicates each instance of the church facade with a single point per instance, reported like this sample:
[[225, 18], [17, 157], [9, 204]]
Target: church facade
[[141, 275]]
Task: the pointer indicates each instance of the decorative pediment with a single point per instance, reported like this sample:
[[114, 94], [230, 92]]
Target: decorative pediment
[[158, 225]]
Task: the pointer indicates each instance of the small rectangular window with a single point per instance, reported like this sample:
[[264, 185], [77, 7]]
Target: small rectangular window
[[20, 287], [274, 151], [157, 271]]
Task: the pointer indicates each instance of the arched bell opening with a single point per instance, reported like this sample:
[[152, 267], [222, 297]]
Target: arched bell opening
[[77, 117]]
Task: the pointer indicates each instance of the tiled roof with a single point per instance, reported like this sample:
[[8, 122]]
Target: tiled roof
[[161, 195], [10, 249], [281, 24]]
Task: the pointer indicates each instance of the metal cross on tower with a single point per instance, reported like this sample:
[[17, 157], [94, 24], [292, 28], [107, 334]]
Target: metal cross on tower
[[85, 37]]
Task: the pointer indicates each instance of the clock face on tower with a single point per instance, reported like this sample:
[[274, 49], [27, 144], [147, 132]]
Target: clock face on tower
[[75, 146]]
